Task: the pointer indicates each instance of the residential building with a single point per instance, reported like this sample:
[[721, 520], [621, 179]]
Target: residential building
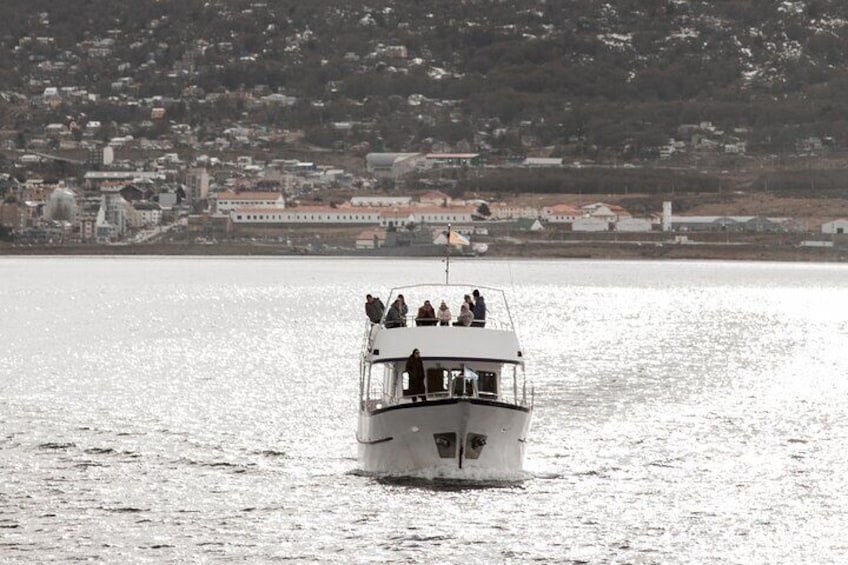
[[435, 198], [561, 213], [149, 213], [839, 226], [513, 211], [197, 187]]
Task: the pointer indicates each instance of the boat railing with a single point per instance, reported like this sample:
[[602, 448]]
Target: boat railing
[[498, 315], [409, 321]]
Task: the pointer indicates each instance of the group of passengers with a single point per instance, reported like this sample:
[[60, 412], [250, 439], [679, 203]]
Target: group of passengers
[[472, 312]]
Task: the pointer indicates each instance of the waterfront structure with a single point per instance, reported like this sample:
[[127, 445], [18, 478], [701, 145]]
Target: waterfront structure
[[733, 224], [371, 239], [394, 218], [393, 165], [380, 201], [306, 215], [227, 202]]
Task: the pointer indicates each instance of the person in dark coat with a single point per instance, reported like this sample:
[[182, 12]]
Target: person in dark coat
[[415, 370], [479, 309], [374, 309], [426, 315], [393, 318]]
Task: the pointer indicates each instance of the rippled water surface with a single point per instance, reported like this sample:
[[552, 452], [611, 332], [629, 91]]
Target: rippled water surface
[[183, 410]]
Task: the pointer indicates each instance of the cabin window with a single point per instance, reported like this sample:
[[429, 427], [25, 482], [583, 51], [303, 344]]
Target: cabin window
[[437, 381], [412, 387], [487, 383]]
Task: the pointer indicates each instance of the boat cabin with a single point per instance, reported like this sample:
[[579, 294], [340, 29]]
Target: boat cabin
[[481, 362]]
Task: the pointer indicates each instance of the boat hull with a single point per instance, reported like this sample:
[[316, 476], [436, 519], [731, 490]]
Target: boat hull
[[452, 438]]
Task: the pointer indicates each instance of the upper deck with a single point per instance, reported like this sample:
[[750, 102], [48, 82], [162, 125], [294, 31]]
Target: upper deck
[[496, 341]]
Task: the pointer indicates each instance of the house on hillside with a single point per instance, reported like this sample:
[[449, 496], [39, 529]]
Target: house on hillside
[[839, 226], [561, 213], [435, 198], [605, 212], [511, 211]]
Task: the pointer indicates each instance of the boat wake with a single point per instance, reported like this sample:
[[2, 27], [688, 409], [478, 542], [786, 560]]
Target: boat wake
[[441, 479]]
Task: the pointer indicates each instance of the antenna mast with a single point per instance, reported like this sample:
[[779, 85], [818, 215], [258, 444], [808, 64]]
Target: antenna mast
[[447, 256]]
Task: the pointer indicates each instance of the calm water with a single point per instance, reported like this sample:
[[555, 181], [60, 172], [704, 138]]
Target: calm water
[[192, 410]]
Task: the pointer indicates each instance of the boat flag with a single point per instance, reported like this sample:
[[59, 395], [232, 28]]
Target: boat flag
[[457, 239]]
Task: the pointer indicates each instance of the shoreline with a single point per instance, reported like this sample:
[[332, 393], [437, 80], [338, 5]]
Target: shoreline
[[525, 250]]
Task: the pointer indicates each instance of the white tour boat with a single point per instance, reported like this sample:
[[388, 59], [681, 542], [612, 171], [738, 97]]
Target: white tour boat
[[464, 412]]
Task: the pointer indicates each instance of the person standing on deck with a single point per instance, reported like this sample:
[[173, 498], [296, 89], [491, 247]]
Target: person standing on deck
[[403, 309], [374, 309], [479, 309], [465, 317], [393, 318], [444, 314], [415, 370]]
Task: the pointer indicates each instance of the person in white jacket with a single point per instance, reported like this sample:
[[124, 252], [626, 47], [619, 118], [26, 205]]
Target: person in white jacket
[[443, 314]]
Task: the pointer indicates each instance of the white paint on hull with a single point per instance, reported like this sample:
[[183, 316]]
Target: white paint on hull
[[401, 441]]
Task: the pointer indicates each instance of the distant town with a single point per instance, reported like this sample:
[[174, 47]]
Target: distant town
[[556, 130], [282, 202]]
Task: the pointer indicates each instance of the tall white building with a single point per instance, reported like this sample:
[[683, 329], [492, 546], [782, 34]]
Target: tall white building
[[197, 186]]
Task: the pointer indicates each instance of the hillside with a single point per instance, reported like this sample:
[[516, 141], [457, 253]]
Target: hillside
[[577, 78]]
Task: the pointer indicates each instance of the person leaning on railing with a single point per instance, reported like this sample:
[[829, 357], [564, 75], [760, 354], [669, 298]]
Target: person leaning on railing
[[426, 315], [402, 308], [393, 316], [465, 317]]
